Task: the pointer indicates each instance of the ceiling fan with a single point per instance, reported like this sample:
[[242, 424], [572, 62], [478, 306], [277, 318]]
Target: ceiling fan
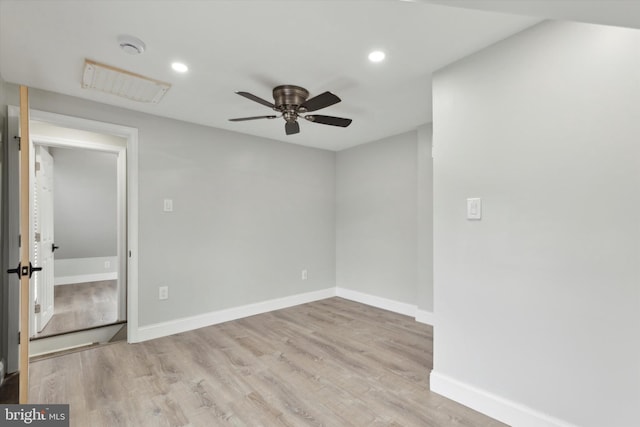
[[291, 102]]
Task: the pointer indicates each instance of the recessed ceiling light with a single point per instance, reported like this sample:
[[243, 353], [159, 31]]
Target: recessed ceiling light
[[376, 56], [179, 67]]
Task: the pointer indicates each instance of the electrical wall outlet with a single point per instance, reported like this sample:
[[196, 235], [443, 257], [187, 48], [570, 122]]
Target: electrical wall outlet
[[107, 264], [163, 292], [303, 275]]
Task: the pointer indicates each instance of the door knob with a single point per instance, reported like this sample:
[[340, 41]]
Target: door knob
[[24, 270], [17, 270]]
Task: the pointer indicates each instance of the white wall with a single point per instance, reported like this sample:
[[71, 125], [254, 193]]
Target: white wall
[[424, 291], [84, 270], [376, 218], [539, 302], [249, 213], [85, 203]]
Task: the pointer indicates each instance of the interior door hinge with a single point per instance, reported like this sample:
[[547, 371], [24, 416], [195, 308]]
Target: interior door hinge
[[17, 138], [37, 166], [19, 240], [37, 237], [36, 308], [18, 337]]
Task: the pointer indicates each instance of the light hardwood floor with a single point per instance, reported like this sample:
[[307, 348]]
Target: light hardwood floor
[[81, 306], [328, 363]]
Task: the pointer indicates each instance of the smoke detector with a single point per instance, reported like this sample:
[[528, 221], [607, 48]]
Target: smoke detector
[[131, 45]]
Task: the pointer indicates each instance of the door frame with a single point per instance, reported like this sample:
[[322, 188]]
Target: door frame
[[11, 234], [127, 165], [121, 217]]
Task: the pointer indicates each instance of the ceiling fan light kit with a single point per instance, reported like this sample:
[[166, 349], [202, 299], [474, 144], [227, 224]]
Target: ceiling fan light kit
[[291, 102]]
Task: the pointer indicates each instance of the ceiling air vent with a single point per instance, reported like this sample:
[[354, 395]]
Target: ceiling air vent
[[125, 84]]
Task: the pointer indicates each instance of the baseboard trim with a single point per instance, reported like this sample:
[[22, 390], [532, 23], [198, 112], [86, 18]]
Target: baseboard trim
[[424, 316], [497, 407], [375, 301], [163, 329], [82, 278], [421, 316], [158, 330], [56, 343]]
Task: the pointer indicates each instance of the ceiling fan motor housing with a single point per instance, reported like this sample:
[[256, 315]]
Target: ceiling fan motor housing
[[289, 97]]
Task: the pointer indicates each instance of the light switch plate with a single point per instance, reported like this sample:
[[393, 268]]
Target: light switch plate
[[168, 205], [474, 208]]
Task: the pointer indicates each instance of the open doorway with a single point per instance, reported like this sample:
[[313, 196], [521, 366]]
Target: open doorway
[[75, 228], [77, 206]]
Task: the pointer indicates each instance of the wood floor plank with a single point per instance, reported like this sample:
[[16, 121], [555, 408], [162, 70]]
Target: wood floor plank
[[328, 363], [82, 305]]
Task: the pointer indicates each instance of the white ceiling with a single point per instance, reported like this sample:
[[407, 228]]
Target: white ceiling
[[621, 13], [256, 45]]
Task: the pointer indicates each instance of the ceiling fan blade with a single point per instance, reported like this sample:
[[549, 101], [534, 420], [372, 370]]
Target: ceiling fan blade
[[291, 127], [329, 120], [321, 101], [242, 119], [256, 99]]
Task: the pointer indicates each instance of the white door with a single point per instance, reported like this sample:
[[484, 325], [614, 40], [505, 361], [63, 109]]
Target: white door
[[43, 233]]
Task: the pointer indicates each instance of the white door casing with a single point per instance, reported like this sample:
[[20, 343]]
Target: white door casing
[[127, 204], [127, 216], [43, 292]]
